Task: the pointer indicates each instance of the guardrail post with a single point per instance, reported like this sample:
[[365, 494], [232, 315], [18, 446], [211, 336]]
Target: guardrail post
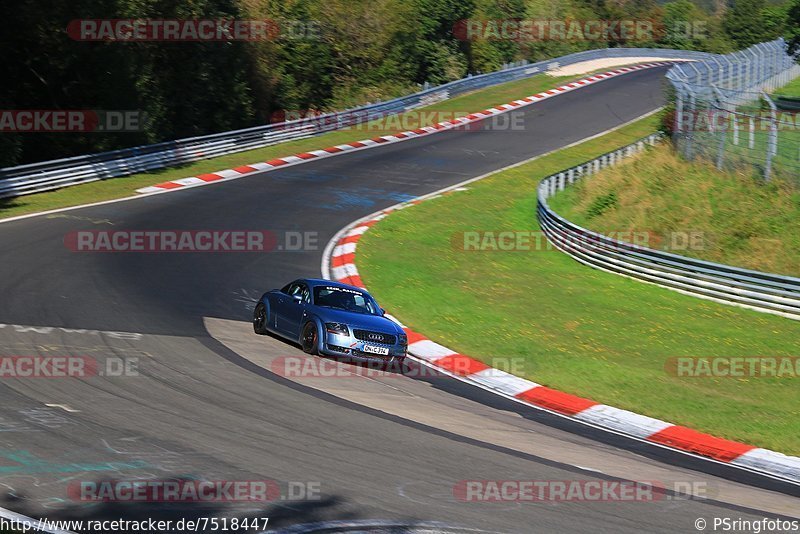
[[752, 67], [699, 74], [719, 70], [689, 135], [677, 124], [721, 109], [772, 143], [730, 72]]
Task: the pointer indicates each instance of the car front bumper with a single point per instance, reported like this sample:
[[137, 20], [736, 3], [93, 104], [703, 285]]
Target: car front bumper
[[346, 346]]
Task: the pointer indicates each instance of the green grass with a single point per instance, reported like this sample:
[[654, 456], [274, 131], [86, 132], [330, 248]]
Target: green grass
[[577, 329], [739, 219], [126, 186], [790, 89]]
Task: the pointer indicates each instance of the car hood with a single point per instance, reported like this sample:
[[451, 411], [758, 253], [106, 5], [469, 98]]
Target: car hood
[[359, 320]]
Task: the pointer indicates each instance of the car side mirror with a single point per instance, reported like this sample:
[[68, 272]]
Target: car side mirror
[[297, 298]]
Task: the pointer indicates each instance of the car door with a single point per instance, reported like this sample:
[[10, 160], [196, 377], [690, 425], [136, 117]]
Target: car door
[[290, 320], [282, 303]]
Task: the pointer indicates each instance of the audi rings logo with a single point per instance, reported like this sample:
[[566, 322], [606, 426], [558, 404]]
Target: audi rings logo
[[375, 337]]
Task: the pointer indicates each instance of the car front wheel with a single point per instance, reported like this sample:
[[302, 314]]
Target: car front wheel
[[260, 319], [310, 338]]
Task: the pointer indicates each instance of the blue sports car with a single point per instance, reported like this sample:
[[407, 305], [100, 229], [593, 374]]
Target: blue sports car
[[333, 319]]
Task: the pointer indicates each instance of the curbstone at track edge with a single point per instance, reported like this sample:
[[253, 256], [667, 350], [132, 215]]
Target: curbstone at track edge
[[339, 263]]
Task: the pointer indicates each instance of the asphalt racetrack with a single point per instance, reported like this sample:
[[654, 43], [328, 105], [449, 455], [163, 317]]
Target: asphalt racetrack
[[207, 400]]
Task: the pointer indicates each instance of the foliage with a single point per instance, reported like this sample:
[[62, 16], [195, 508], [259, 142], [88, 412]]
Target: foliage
[[362, 51], [750, 22], [793, 27]]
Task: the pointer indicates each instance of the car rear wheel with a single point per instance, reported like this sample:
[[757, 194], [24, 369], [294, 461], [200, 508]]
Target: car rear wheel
[[260, 319], [309, 339]]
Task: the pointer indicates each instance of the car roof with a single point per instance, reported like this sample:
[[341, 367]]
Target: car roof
[[314, 282]]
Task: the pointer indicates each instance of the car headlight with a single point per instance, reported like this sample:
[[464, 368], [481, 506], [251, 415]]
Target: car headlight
[[337, 328]]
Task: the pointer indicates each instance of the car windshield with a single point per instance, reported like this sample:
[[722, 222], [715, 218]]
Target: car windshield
[[343, 298]]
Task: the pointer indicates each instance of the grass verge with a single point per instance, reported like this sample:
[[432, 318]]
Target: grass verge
[[573, 328], [735, 218], [790, 89], [127, 185]]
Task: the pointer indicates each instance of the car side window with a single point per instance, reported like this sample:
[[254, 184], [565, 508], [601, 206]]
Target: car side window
[[360, 302], [306, 294], [287, 289], [294, 289]]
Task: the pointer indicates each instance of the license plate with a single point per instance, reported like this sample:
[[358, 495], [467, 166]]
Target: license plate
[[376, 350]]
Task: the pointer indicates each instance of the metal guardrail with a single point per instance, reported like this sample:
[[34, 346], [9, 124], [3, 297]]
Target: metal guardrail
[[787, 103], [48, 175], [764, 292]]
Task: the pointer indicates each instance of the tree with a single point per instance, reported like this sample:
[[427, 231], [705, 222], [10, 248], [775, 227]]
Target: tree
[[745, 23], [183, 88], [793, 28]]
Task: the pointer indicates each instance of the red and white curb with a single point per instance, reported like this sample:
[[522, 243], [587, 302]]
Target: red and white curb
[[341, 255], [286, 161]]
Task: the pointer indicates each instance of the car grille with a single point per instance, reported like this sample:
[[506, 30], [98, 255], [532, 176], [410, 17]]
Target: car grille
[[375, 337]]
